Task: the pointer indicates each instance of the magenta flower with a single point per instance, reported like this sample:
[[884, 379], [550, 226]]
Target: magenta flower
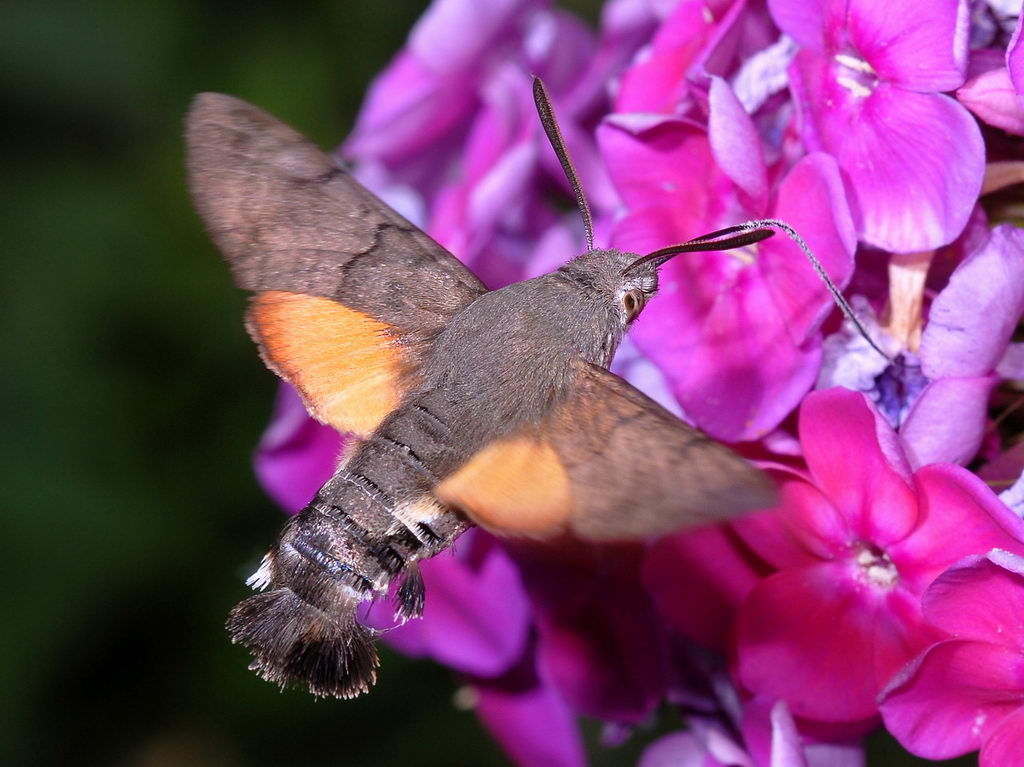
[[737, 334], [856, 541], [449, 134], [600, 642], [938, 398], [967, 692], [866, 84]]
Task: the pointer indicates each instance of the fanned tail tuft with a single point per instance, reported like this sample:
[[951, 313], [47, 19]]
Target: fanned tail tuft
[[293, 641]]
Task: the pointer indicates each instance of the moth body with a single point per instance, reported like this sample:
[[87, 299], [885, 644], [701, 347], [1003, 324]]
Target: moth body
[[469, 407]]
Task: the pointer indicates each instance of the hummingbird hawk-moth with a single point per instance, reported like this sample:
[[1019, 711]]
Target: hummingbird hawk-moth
[[493, 408]]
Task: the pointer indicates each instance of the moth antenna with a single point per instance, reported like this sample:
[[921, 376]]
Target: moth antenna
[[554, 134]]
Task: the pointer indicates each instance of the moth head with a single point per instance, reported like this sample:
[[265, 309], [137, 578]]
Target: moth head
[[614, 292], [630, 278]]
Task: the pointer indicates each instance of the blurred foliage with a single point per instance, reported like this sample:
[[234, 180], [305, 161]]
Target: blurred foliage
[[133, 398]]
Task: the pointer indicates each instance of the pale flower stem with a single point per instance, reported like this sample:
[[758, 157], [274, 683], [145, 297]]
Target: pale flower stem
[[902, 317]]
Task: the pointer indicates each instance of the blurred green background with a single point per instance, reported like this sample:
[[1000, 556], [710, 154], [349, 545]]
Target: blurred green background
[[133, 398]]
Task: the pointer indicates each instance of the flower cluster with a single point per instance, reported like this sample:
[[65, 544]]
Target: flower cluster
[[887, 587]]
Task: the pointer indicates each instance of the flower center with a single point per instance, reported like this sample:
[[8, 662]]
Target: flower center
[[855, 74], [897, 388], [875, 566]]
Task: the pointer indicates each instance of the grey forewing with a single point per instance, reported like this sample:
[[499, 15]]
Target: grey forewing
[[287, 218]]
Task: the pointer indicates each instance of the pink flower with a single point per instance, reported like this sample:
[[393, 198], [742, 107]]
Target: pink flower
[[296, 455], [856, 541], [967, 691], [938, 398], [866, 86], [737, 333]]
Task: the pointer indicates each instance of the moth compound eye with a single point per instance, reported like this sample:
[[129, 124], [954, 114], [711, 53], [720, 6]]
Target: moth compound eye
[[632, 304]]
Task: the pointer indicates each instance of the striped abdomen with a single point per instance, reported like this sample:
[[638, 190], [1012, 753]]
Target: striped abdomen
[[366, 528]]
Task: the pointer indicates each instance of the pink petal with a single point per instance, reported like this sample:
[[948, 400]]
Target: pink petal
[[787, 748], [559, 47], [980, 598], [735, 143], [507, 117], [805, 21], [1015, 59], [532, 723], [960, 515], [912, 162], [816, 638], [745, 376], [771, 734], [806, 528], [600, 641], [1006, 744], [296, 455], [811, 199], [839, 431], [719, 743], [657, 83], [920, 46], [947, 421], [476, 617], [992, 97], [952, 697], [665, 164], [697, 579], [454, 35], [407, 108], [972, 319], [677, 749]]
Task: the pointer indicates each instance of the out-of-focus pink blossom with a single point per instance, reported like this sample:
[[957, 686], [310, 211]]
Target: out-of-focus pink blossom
[[601, 644], [967, 692], [699, 578], [765, 736], [856, 541], [296, 455], [531, 721], [866, 84]]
